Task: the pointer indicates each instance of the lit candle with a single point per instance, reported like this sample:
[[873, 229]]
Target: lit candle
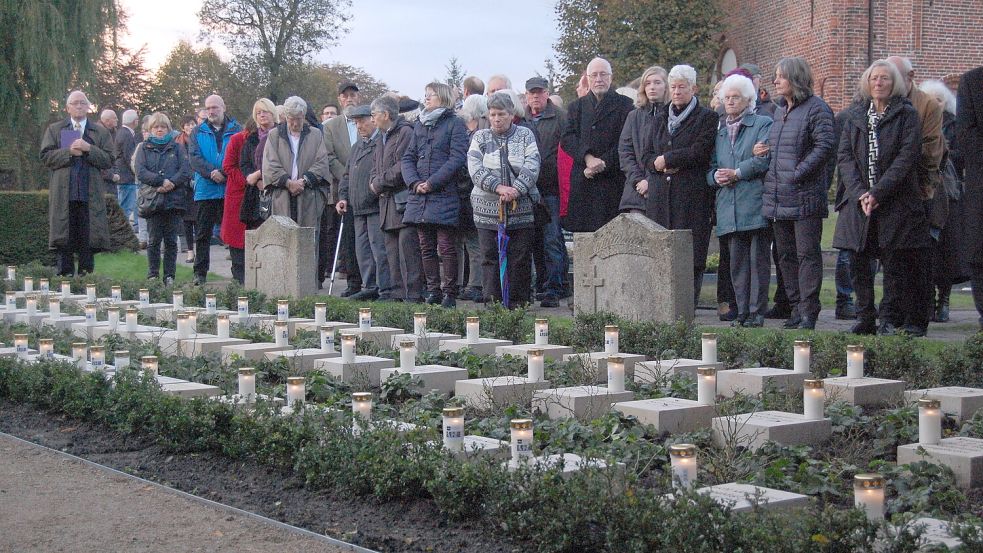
[[281, 335], [320, 313], [364, 318], [616, 373], [454, 428], [247, 384], [348, 348], [813, 399], [90, 314], [542, 332], [536, 365], [66, 288], [192, 320], [855, 361], [54, 307], [929, 421], [361, 411], [296, 391], [407, 355], [90, 293], [144, 297], [521, 430], [116, 293], [611, 339], [183, 328], [10, 300], [327, 339], [11, 272], [112, 315], [46, 348], [45, 286], [32, 305], [28, 284], [868, 495], [177, 300], [222, 326], [131, 319], [282, 310], [20, 345], [97, 358], [709, 348], [706, 386], [242, 306], [121, 359], [800, 356], [419, 324], [150, 365], [80, 351], [472, 325], [211, 304], [682, 459]]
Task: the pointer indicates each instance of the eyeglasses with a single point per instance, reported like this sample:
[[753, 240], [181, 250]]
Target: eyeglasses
[[732, 99], [77, 103], [601, 75]]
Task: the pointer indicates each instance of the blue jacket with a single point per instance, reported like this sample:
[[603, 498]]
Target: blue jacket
[[739, 205], [205, 158], [438, 155]]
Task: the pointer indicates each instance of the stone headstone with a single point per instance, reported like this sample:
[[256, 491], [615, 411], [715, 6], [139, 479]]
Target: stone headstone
[[281, 258], [635, 268]]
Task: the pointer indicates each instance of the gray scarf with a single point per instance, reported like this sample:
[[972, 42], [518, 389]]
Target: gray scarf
[[676, 120], [429, 118]]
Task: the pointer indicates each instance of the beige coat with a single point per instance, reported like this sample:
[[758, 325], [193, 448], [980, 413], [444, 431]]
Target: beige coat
[[338, 145], [312, 162]]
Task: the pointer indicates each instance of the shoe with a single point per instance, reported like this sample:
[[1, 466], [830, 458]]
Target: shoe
[[846, 312], [887, 329], [198, 281], [152, 277], [143, 244], [793, 321], [779, 312], [350, 292], [365, 295], [738, 321], [808, 323], [865, 328], [470, 294], [434, 298], [730, 315], [549, 301], [754, 321], [169, 281], [941, 314], [916, 331], [449, 302]]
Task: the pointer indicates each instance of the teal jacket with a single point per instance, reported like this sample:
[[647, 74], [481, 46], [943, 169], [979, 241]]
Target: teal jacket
[[739, 205]]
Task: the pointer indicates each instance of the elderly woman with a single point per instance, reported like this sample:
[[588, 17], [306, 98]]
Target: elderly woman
[[431, 167], [676, 161], [474, 112], [736, 174], [251, 162], [163, 164], [802, 141], [504, 187], [652, 97], [881, 215]]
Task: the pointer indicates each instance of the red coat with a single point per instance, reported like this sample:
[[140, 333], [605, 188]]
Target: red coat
[[233, 230], [564, 164]]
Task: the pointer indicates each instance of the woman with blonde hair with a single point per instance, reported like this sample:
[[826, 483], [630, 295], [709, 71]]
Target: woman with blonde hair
[[251, 161], [652, 95]]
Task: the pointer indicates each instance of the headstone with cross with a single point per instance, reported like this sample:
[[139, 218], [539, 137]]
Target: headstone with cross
[[281, 258], [636, 269]]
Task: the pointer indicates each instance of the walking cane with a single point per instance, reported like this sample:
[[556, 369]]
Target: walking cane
[[337, 248]]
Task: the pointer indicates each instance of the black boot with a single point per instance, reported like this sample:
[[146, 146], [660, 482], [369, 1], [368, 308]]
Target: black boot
[[941, 314]]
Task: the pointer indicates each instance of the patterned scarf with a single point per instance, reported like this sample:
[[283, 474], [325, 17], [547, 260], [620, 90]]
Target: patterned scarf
[[429, 118], [873, 148], [734, 126], [676, 120]]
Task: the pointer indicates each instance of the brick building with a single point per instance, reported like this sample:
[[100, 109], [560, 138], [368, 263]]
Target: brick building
[[840, 38]]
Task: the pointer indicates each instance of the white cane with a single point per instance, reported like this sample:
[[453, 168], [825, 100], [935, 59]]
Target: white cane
[[337, 248]]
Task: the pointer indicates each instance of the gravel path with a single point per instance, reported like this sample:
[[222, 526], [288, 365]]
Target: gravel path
[[52, 503]]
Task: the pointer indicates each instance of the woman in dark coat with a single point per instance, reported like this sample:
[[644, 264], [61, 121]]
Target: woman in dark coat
[[188, 124], [881, 215], [677, 161], [432, 167], [635, 135], [251, 162], [162, 163]]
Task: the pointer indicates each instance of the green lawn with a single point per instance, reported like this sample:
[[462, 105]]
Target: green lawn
[[827, 296], [133, 266]]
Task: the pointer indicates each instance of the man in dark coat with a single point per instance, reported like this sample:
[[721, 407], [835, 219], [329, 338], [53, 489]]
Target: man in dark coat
[[594, 125], [77, 151], [969, 130]]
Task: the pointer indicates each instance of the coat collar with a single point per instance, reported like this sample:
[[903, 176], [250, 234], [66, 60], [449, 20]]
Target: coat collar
[[605, 104]]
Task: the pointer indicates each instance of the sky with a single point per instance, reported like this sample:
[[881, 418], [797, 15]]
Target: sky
[[403, 43]]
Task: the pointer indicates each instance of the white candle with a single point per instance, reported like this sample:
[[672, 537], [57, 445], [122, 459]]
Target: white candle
[[536, 365], [611, 339], [116, 293], [45, 286], [929, 421], [46, 348], [706, 386], [709, 348], [296, 391], [97, 358], [407, 355], [211, 304], [177, 299], [348, 348], [522, 436], [868, 495], [542, 332], [28, 284], [131, 319], [11, 272], [222, 326], [616, 373], [364, 318], [144, 297], [242, 307], [282, 310], [150, 365], [90, 293], [66, 288], [281, 334], [112, 315], [361, 411], [121, 359], [801, 356], [320, 313], [20, 345], [54, 307], [327, 339], [80, 351], [471, 325], [682, 459], [183, 328], [10, 300], [32, 305], [855, 361], [453, 428], [192, 320], [813, 400], [247, 384], [90, 314], [419, 324]]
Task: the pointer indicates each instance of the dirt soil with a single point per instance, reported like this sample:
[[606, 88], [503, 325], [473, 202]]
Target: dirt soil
[[385, 527]]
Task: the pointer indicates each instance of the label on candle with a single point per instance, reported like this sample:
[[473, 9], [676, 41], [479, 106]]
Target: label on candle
[[282, 312], [44, 287], [243, 309], [523, 447], [21, 347], [116, 295], [144, 298], [90, 317]]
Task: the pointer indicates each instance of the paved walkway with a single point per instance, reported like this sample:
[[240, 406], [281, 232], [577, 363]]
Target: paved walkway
[[53, 503]]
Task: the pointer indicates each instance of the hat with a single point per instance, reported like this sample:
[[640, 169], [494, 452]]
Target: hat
[[751, 68], [345, 85], [360, 111], [537, 82], [406, 104]]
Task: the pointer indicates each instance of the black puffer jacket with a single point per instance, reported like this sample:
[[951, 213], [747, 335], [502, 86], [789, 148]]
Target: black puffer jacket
[[154, 163], [802, 142]]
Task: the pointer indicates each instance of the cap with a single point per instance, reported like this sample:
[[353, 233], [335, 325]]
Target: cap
[[407, 104], [360, 111], [751, 68], [345, 85], [537, 82]]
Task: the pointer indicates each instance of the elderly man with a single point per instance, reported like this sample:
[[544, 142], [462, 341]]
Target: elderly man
[[109, 121], [356, 195], [498, 82], [207, 150], [77, 151], [591, 137], [969, 135], [126, 188], [340, 134]]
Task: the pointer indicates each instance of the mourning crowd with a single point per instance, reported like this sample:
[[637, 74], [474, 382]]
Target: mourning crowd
[[466, 193]]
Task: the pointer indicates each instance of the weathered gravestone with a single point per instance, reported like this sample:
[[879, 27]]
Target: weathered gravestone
[[281, 258], [635, 268]]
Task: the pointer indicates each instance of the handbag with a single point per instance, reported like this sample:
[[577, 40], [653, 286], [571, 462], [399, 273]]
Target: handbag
[[149, 202]]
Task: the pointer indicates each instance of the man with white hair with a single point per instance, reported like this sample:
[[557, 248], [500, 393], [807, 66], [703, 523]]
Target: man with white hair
[[497, 83], [126, 188], [340, 135], [206, 149], [109, 121], [591, 137]]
